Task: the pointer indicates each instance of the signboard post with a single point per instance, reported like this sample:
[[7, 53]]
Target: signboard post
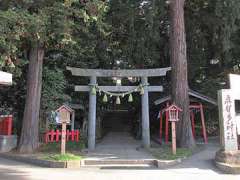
[[174, 149], [173, 113], [64, 119], [63, 140]]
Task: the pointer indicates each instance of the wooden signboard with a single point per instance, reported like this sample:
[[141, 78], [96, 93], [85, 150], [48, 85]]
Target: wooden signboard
[[64, 119], [64, 116]]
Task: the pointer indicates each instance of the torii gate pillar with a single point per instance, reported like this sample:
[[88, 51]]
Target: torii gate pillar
[[92, 116], [145, 114]]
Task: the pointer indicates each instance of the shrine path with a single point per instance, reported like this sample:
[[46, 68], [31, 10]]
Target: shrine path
[[119, 145]]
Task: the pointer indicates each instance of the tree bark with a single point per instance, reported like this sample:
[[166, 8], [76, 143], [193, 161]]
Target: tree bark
[[179, 76], [29, 139]]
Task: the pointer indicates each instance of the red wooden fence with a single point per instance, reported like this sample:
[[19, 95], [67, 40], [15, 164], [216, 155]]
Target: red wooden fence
[[6, 125], [55, 136]]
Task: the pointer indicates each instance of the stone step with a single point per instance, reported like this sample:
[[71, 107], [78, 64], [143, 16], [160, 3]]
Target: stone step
[[145, 163], [121, 166]]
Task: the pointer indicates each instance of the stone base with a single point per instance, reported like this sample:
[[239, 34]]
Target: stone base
[[163, 164], [228, 161], [229, 157], [228, 168], [7, 143]]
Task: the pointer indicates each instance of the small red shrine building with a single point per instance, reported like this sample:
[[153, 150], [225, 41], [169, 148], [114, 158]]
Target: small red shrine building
[[196, 106]]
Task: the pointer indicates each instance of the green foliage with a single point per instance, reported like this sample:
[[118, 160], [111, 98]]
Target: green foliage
[[53, 89], [165, 153], [113, 34], [137, 34], [56, 146], [228, 13], [212, 38]]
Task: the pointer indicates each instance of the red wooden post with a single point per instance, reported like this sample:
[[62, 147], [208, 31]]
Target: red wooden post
[[203, 124], [193, 124], [73, 134], [166, 125], [1, 127], [67, 135], [52, 136], [9, 125], [57, 135], [160, 128], [4, 126], [77, 135], [46, 137]]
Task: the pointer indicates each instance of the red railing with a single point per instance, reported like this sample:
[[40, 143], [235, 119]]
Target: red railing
[[55, 136], [6, 125]]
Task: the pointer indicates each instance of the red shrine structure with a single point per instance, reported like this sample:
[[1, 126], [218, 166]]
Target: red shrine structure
[[196, 106], [8, 141], [6, 125]]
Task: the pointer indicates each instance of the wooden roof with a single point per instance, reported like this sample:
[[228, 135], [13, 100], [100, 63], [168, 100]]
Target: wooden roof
[[65, 107], [192, 93]]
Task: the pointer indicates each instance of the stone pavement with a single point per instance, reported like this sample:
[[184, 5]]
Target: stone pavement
[[198, 167], [119, 145]]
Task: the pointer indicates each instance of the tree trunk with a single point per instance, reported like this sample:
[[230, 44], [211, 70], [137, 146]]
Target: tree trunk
[[29, 136], [179, 76]]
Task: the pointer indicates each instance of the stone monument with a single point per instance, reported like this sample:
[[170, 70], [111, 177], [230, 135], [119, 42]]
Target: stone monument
[[228, 157]]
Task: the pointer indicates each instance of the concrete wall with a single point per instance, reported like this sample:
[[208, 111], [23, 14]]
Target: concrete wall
[[7, 143]]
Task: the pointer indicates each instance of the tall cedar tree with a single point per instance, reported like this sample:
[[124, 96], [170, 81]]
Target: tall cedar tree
[[33, 27], [178, 56]]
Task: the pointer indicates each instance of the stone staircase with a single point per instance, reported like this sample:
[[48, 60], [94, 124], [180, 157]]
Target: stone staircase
[[117, 121]]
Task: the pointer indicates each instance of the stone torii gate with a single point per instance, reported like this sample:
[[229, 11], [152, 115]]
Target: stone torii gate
[[94, 73]]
